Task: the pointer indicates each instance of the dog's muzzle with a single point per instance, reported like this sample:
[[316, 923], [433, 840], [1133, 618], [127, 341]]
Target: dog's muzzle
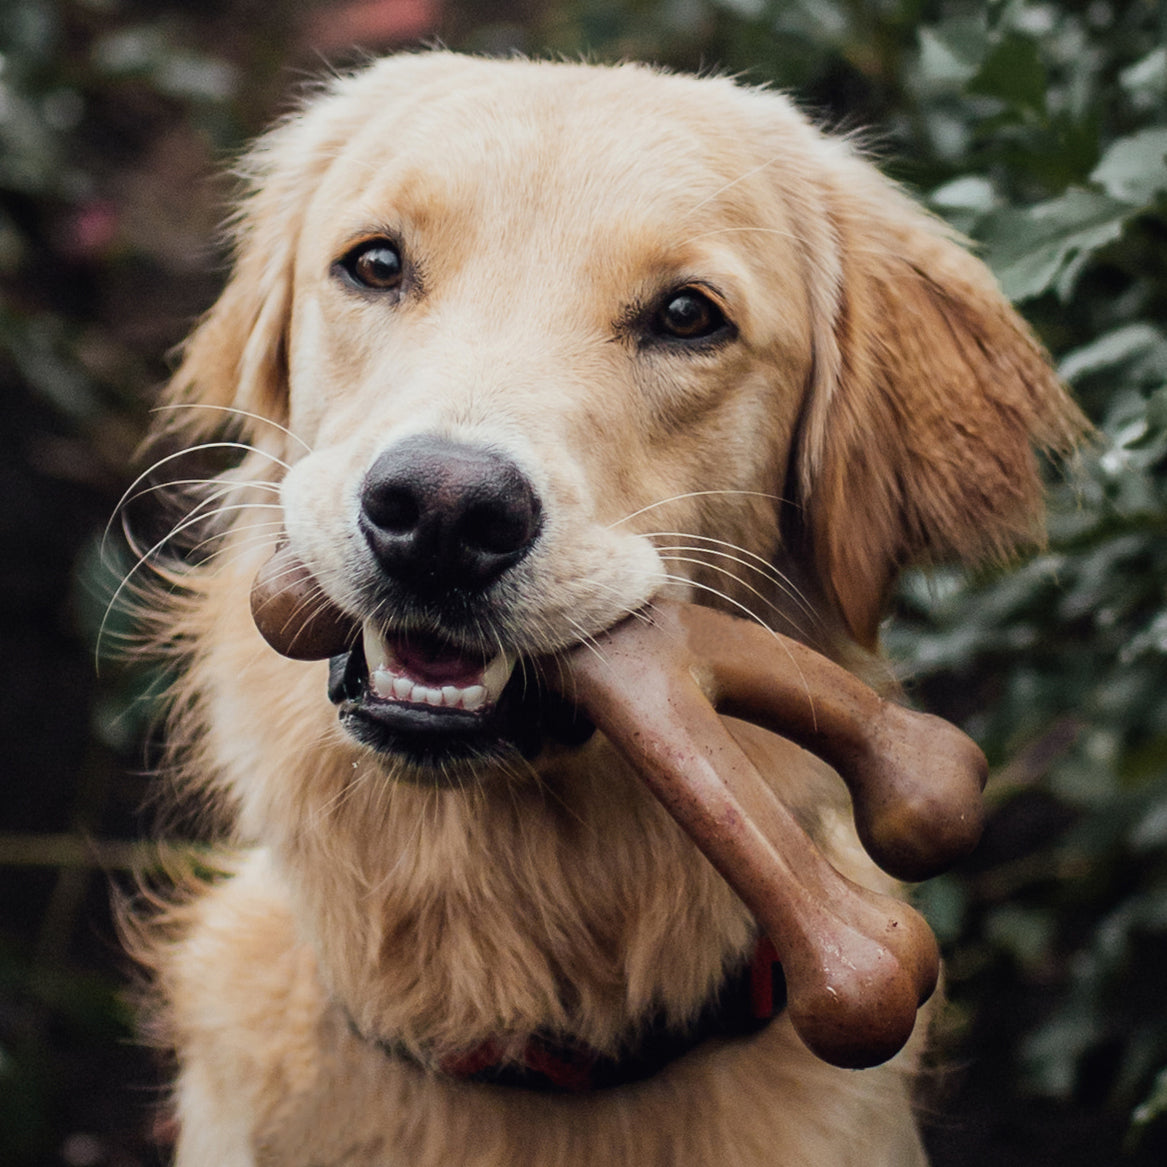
[[442, 522]]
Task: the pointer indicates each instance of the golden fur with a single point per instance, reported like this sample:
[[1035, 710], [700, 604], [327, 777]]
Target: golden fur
[[876, 406]]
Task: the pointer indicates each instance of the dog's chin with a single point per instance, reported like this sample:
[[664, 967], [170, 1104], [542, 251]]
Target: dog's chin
[[442, 715]]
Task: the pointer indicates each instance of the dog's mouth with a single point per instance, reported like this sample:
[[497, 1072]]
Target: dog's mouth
[[413, 693], [434, 676], [419, 695]]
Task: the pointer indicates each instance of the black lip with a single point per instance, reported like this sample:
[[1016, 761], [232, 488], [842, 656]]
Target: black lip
[[520, 723]]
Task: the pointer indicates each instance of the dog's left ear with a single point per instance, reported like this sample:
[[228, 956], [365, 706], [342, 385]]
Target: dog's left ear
[[928, 397]]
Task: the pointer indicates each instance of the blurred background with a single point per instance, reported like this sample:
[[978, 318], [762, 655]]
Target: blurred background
[[1038, 128]]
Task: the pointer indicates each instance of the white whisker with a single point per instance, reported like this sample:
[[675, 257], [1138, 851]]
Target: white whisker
[[737, 580], [270, 530], [744, 609], [238, 412], [220, 484], [743, 557], [588, 641], [695, 494], [193, 518], [184, 452]]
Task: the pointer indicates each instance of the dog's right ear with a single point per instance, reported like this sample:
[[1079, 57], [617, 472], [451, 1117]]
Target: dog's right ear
[[236, 358], [929, 398]]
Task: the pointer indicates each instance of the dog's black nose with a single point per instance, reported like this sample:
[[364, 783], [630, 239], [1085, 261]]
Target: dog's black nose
[[440, 514]]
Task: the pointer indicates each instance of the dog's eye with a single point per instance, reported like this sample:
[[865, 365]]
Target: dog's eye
[[375, 264], [688, 314]]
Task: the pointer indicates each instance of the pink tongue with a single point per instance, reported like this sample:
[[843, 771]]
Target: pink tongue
[[433, 662]]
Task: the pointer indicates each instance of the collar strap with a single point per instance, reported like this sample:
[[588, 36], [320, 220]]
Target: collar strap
[[744, 1004]]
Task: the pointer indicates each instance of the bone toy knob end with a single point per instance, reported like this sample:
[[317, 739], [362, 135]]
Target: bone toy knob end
[[917, 793], [915, 780], [293, 615]]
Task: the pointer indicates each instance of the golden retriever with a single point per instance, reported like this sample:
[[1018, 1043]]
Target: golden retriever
[[516, 348]]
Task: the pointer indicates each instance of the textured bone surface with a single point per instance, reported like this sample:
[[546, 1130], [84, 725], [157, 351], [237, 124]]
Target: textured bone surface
[[858, 964], [915, 780]]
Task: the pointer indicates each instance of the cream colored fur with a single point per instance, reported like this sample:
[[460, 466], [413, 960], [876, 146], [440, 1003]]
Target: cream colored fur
[[877, 405]]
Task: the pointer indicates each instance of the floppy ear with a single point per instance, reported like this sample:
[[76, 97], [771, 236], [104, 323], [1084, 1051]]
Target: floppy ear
[[928, 397], [236, 356]]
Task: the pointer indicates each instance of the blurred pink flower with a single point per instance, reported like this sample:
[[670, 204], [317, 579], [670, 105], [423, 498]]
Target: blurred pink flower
[[372, 23], [90, 230]]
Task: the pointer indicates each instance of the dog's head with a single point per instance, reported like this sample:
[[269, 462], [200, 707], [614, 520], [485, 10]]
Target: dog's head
[[546, 341]]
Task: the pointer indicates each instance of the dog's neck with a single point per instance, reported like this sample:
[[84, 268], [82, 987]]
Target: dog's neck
[[553, 907], [743, 1004]]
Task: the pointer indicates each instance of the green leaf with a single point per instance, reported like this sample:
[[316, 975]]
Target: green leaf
[[818, 20], [1157, 409], [1013, 72], [969, 192], [1137, 343], [951, 53], [1146, 79], [1044, 247], [1051, 1053], [1134, 168], [1154, 1106]]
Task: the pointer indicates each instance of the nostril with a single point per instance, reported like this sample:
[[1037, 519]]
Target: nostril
[[394, 510], [502, 526]]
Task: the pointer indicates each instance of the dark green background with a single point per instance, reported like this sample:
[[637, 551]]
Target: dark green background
[[1040, 129]]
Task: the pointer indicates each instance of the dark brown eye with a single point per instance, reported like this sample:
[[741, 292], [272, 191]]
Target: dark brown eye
[[688, 315], [375, 264]]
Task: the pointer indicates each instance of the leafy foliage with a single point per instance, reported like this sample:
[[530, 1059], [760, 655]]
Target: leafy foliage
[[1078, 639], [1037, 127]]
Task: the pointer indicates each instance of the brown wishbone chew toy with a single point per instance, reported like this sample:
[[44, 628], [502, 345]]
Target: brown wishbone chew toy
[[858, 964]]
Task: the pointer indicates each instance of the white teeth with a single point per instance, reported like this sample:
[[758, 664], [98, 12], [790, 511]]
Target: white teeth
[[473, 697], [389, 681]]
